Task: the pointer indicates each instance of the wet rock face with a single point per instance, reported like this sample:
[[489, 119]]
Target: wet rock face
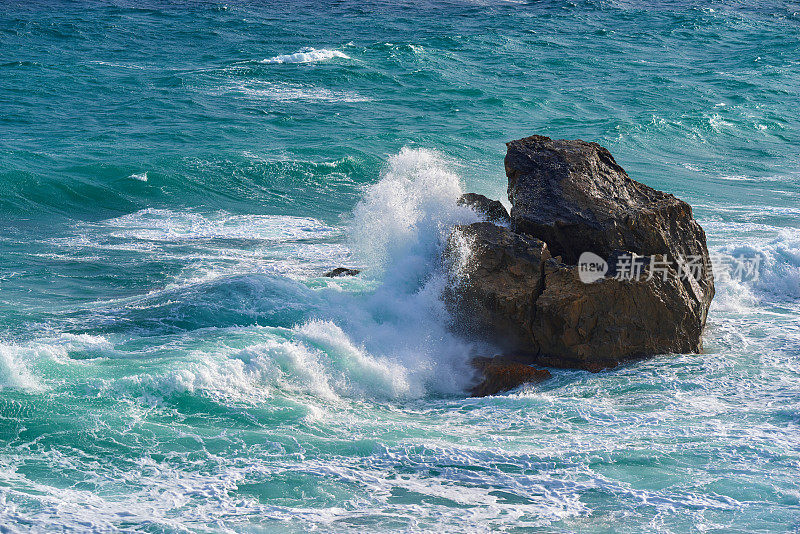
[[576, 198], [571, 197], [498, 282], [596, 326]]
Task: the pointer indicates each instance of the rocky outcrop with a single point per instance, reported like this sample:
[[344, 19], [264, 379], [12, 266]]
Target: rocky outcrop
[[504, 373], [523, 286], [576, 198], [492, 210], [341, 271]]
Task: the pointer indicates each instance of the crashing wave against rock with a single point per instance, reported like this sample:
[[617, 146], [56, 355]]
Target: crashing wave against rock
[[522, 285]]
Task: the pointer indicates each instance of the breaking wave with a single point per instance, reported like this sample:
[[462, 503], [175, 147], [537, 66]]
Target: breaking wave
[[307, 55]]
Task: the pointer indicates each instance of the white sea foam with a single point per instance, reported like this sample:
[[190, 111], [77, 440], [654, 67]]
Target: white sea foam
[[251, 375], [25, 365], [779, 270], [307, 55], [14, 372], [775, 258], [352, 367], [223, 244], [289, 91], [141, 177], [168, 225]]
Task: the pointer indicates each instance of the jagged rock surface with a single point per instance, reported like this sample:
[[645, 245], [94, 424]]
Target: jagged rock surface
[[576, 198], [499, 283], [493, 210], [598, 325]]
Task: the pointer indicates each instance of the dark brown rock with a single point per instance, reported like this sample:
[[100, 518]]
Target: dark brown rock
[[493, 210], [497, 279], [504, 373], [571, 197], [576, 198], [599, 325], [341, 271]]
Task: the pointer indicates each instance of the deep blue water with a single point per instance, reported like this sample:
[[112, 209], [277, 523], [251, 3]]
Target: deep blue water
[[174, 178]]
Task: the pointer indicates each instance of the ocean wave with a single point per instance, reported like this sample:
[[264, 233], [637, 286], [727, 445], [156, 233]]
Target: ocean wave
[[14, 371], [387, 336], [772, 266], [779, 269], [250, 376], [316, 359], [26, 366], [307, 55]]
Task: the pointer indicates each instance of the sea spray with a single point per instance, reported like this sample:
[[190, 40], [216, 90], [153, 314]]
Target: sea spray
[[401, 224], [398, 233]]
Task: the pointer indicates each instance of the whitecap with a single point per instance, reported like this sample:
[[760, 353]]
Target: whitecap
[[307, 55], [168, 225], [359, 371], [22, 364]]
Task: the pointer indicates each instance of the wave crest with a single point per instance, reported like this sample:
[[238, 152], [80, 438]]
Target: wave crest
[[306, 55]]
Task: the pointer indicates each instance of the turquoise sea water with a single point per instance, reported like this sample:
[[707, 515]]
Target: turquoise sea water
[[174, 177]]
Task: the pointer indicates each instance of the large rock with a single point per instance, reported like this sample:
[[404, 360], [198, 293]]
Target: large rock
[[576, 198], [571, 197]]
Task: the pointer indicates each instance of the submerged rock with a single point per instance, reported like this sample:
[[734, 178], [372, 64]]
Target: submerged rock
[[493, 210], [341, 271], [504, 373], [569, 198]]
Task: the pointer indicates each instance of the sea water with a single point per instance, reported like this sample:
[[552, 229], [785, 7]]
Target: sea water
[[175, 178]]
